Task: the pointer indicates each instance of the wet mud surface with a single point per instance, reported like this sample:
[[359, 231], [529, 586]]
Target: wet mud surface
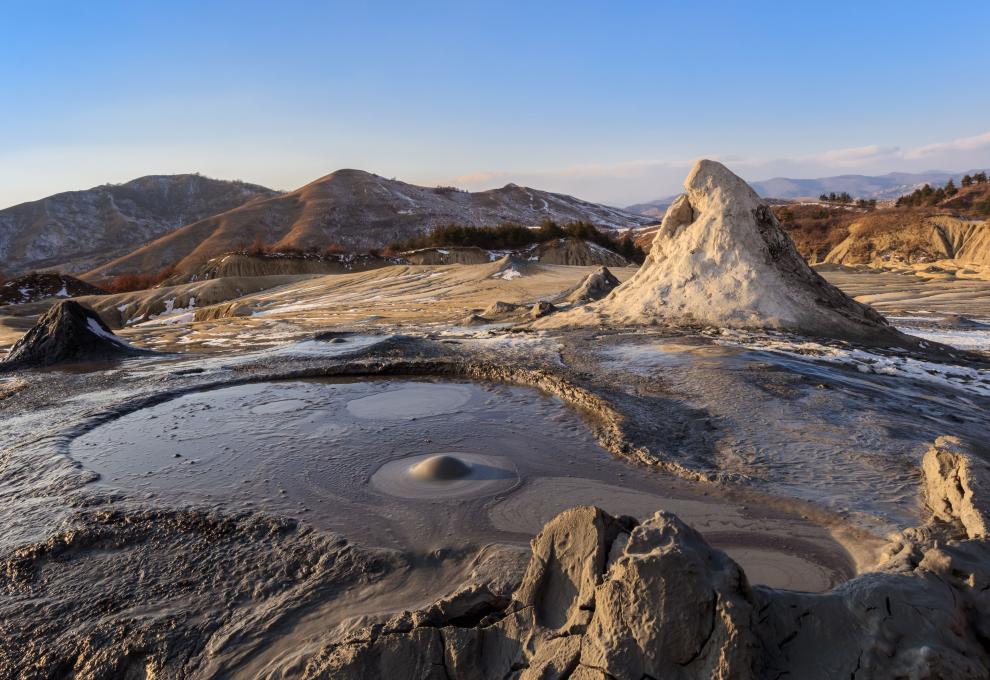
[[318, 450], [218, 516]]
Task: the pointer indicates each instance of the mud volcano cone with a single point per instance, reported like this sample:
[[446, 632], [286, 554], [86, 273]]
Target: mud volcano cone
[[721, 258], [67, 332]]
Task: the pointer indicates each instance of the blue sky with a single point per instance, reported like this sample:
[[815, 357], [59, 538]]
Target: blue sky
[[607, 100]]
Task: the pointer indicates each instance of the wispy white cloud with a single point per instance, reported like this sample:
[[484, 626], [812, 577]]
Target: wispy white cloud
[[858, 154], [962, 144], [632, 181]]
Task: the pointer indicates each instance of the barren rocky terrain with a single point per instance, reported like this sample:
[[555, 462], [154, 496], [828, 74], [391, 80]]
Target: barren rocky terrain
[[506, 469]]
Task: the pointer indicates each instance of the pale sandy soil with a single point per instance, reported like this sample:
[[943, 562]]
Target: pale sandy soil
[[893, 293], [433, 296]]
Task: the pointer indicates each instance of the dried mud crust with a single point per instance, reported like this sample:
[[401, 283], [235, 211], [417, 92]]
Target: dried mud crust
[[123, 592]]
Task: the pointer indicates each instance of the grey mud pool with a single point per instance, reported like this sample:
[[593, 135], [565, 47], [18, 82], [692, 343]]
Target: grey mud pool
[[342, 455]]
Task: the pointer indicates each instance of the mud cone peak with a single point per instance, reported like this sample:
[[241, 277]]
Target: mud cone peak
[[67, 332], [720, 258]]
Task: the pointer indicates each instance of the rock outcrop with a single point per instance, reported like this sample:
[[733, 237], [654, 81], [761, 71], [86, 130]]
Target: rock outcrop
[[592, 604], [67, 332], [720, 258]]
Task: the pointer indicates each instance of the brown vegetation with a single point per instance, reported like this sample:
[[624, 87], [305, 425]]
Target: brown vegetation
[[126, 283], [815, 229]]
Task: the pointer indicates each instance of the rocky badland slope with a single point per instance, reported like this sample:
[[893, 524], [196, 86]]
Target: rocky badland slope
[[357, 210], [886, 239], [720, 258], [77, 230]]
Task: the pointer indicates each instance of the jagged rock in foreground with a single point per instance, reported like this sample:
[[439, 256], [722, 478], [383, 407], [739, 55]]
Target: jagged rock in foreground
[[595, 286], [67, 332], [956, 486], [593, 601], [720, 258], [605, 597]]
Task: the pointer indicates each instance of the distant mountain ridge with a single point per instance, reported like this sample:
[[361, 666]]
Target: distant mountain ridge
[[881, 187], [888, 186], [76, 230], [356, 210]]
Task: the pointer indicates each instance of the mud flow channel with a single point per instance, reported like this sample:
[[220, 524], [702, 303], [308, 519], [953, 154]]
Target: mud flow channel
[[423, 465]]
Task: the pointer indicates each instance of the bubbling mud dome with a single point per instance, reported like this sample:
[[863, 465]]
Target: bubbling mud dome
[[446, 476], [425, 465]]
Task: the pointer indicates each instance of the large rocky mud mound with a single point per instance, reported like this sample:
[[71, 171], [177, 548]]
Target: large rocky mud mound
[[605, 597], [720, 258], [67, 332]]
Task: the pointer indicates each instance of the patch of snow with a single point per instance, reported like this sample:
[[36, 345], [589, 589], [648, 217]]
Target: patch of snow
[[318, 348], [952, 376], [63, 292], [508, 274], [170, 320], [960, 339], [96, 329]]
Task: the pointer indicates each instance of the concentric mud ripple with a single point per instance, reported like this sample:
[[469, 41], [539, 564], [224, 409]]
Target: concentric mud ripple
[[302, 448]]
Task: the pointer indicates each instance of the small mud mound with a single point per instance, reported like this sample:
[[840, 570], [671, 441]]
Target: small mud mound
[[449, 475], [595, 286], [499, 308], [448, 255], [958, 321], [575, 252], [440, 469], [541, 309], [67, 332]]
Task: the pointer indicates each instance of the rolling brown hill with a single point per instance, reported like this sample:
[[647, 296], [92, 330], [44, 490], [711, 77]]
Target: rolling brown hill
[[76, 230], [356, 210]]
